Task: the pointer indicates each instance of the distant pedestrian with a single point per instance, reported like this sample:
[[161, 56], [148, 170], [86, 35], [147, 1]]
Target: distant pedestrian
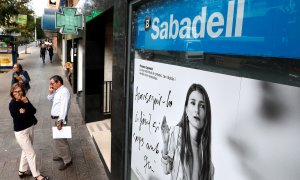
[[50, 49], [22, 112], [43, 52], [60, 97], [20, 76]]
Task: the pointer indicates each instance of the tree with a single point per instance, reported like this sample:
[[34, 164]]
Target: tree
[[90, 5], [40, 33], [9, 10], [27, 32]]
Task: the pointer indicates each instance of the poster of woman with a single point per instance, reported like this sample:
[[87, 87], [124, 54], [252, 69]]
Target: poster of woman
[[191, 124], [175, 111], [186, 148]]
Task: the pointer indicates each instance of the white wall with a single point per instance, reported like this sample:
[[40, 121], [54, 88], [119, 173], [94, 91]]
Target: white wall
[[80, 66], [64, 51], [108, 53]]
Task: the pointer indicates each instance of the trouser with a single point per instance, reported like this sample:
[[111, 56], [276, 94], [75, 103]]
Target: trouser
[[28, 156], [62, 148], [43, 57]]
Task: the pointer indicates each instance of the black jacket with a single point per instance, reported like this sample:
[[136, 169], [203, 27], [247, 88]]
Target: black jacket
[[43, 51], [24, 120], [50, 49]]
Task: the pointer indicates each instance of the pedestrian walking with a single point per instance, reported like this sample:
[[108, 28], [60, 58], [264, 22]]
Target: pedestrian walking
[[43, 52], [22, 112], [20, 76], [50, 49], [60, 97]]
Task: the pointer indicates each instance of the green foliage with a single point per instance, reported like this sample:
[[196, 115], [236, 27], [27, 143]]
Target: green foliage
[[9, 9], [40, 33], [22, 7]]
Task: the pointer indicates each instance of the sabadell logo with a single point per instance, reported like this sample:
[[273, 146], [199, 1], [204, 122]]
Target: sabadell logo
[[200, 25]]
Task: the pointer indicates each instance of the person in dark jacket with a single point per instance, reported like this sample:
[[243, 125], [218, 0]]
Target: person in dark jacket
[[22, 112], [50, 49], [43, 52], [20, 76]]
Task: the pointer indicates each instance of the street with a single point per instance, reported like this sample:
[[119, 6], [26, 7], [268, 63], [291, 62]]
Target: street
[[86, 161]]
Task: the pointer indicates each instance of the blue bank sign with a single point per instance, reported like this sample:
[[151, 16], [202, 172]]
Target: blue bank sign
[[241, 27]]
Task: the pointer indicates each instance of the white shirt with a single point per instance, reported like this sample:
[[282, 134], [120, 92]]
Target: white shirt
[[61, 103]]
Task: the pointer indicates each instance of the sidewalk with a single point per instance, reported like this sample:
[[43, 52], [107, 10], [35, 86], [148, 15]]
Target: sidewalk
[[86, 161]]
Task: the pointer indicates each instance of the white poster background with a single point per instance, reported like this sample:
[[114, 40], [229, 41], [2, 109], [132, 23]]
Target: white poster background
[[170, 84], [266, 137]]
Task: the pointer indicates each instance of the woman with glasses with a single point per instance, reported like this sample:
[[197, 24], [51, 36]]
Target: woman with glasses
[[22, 112]]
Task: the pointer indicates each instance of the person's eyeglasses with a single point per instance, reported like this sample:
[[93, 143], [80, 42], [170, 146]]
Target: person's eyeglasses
[[52, 83], [15, 92]]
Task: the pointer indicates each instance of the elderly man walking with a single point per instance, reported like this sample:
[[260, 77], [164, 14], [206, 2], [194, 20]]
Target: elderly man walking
[[60, 97]]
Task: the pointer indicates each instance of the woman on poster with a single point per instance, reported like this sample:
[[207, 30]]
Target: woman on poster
[[186, 151]]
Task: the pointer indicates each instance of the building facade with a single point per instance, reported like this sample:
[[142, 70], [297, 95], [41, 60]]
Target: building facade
[[238, 59]]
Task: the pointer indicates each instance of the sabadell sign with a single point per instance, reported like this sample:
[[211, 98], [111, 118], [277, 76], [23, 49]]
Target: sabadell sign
[[241, 27]]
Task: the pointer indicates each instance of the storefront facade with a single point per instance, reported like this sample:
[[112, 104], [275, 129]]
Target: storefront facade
[[212, 90], [240, 61]]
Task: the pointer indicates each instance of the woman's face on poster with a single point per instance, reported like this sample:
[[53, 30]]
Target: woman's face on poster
[[267, 133], [195, 109]]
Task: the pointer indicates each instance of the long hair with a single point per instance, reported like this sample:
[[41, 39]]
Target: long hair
[[15, 86], [204, 136], [19, 66]]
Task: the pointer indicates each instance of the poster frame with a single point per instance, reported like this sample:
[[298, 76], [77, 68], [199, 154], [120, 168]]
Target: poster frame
[[128, 113]]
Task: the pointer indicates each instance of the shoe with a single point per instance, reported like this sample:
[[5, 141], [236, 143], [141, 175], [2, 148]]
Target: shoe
[[64, 166], [56, 158], [44, 177], [24, 174]]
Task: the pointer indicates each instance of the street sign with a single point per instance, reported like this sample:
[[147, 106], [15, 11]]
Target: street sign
[[22, 20], [68, 21], [53, 4]]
